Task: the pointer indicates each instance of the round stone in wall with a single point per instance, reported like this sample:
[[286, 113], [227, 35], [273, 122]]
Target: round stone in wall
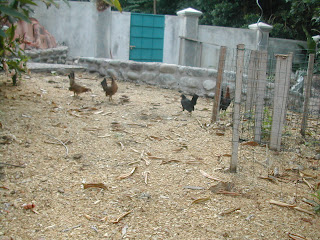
[[209, 85], [133, 75], [168, 68]]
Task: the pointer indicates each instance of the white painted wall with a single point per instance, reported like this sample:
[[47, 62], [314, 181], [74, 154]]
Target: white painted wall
[[77, 27], [120, 35], [89, 33], [284, 46], [171, 42], [213, 37]]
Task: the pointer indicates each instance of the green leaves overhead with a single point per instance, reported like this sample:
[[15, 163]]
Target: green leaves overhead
[[6, 10]]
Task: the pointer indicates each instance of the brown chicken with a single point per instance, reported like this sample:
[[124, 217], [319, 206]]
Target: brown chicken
[[76, 88], [110, 90]]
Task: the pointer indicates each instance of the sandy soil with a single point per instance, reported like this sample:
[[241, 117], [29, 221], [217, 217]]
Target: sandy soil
[[147, 161]]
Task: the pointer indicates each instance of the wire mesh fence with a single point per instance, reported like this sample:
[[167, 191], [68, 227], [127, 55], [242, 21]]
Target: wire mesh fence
[[277, 106]]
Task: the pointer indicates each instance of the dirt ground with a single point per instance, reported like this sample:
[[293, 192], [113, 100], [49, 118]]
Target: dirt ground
[[139, 168]]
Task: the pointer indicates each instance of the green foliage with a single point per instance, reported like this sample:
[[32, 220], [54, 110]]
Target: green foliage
[[266, 123], [114, 3], [12, 57], [315, 203], [317, 207], [287, 16]]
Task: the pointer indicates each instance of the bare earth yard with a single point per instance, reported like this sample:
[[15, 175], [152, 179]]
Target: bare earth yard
[[167, 152]]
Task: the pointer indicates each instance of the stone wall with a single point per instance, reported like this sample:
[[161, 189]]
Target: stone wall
[[189, 80], [51, 55]]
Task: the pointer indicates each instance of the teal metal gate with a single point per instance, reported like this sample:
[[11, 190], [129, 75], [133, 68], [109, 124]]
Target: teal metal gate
[[146, 37]]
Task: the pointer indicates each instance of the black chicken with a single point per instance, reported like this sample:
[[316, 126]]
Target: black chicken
[[225, 101], [188, 104]]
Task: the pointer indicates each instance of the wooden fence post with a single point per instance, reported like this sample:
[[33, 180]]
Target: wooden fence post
[[217, 96], [252, 81], [281, 92], [260, 93], [307, 93], [236, 109]]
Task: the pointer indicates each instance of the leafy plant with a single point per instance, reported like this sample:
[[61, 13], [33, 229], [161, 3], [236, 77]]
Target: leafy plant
[[12, 57], [104, 4], [315, 204], [267, 123]]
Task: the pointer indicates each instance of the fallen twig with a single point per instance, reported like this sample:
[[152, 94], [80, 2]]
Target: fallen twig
[[270, 178], [12, 165], [295, 236], [229, 193], [145, 174], [282, 204], [125, 175], [67, 150], [154, 157], [200, 124], [94, 185], [169, 161], [122, 216], [200, 200], [194, 187], [309, 184], [230, 211], [142, 158], [210, 177], [121, 145], [71, 228]]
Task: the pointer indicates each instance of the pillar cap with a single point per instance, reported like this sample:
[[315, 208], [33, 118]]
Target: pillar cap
[[189, 12], [316, 38], [262, 26]]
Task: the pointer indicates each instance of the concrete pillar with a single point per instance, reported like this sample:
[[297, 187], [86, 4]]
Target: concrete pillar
[[188, 54], [263, 31], [103, 32], [316, 39]]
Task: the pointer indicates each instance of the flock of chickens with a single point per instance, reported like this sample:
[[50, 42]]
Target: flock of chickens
[[110, 90], [189, 104], [77, 89]]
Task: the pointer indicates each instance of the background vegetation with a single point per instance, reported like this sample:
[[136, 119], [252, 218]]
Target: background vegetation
[[288, 17]]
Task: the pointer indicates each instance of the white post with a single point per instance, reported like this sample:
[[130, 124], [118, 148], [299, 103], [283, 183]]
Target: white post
[[188, 36], [263, 31]]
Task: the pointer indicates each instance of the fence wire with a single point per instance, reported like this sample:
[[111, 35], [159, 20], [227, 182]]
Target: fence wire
[[277, 99]]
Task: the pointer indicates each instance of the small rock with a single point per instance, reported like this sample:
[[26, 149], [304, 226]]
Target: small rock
[[145, 196], [7, 138], [5, 238], [77, 156], [317, 157], [60, 190]]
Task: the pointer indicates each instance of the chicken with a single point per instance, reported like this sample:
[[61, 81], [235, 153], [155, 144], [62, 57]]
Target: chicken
[[225, 101], [76, 88], [110, 90], [188, 104]]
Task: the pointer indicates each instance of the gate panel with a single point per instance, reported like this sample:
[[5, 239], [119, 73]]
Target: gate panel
[[146, 37]]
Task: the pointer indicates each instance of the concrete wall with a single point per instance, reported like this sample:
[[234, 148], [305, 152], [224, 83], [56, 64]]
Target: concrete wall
[[284, 46], [80, 27], [89, 33], [56, 55], [120, 35], [213, 37], [189, 80], [171, 44]]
